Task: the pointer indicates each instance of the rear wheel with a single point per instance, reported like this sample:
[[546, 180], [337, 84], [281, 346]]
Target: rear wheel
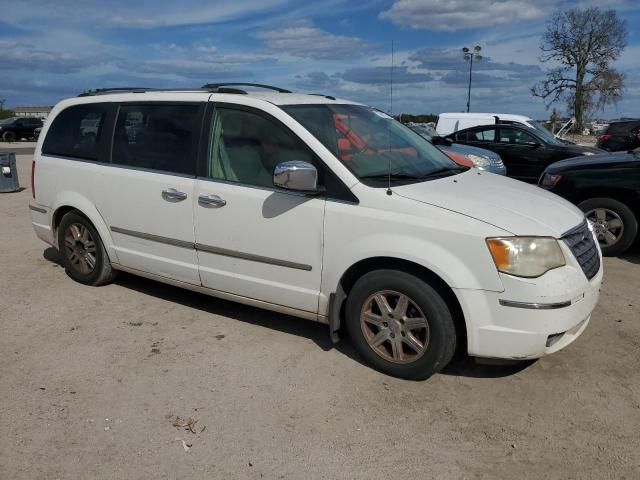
[[83, 254], [400, 324], [615, 224], [9, 136]]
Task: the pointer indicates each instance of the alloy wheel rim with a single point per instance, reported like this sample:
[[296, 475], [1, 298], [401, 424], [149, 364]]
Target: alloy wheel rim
[[608, 225], [394, 326], [80, 248]]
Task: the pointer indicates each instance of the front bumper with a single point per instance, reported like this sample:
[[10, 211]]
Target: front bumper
[[531, 317]]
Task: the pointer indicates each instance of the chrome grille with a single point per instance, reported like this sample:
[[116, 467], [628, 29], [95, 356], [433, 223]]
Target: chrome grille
[[583, 245]]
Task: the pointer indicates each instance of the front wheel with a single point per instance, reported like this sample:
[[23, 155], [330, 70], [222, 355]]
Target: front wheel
[[615, 224], [400, 324]]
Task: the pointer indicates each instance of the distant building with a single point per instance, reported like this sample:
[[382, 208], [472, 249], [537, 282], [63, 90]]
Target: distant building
[[38, 112]]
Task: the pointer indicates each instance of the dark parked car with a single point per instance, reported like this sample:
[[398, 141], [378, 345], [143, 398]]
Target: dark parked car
[[620, 135], [479, 157], [607, 188], [526, 152], [15, 128]]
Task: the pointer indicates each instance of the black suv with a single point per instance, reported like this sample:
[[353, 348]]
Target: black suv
[[15, 128], [607, 188], [620, 135], [525, 151]]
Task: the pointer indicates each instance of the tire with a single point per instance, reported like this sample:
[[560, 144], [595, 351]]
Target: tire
[[76, 255], [424, 305], [9, 136], [614, 212]]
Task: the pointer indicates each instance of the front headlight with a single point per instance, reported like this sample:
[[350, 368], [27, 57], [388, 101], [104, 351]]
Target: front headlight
[[550, 180], [478, 161], [526, 256]]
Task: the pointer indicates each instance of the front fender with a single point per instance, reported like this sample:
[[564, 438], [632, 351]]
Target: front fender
[[450, 245]]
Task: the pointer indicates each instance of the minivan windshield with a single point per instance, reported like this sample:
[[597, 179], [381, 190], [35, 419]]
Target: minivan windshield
[[546, 135], [373, 145], [8, 120]]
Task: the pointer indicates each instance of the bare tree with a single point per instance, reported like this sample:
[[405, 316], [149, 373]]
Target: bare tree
[[581, 44]]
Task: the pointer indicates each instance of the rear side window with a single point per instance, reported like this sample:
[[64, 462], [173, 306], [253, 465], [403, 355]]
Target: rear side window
[[158, 137], [622, 128], [484, 135], [76, 132]]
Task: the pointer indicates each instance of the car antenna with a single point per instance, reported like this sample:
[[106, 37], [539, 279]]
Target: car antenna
[[389, 192]]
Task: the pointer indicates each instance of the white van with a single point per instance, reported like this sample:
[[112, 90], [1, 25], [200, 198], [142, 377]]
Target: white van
[[449, 123], [319, 208]]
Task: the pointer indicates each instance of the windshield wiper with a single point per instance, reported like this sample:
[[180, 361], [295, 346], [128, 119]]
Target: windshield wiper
[[392, 175], [409, 176], [443, 172]]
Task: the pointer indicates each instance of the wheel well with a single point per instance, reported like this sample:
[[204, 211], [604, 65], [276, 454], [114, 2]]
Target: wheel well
[[61, 212], [628, 197], [357, 270]]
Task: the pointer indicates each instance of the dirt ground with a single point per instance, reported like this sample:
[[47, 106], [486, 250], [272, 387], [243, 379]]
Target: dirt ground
[[92, 380]]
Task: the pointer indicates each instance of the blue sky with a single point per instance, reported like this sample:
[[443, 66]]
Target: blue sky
[[54, 49]]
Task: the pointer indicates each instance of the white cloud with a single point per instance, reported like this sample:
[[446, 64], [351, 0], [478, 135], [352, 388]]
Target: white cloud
[[464, 14], [138, 14], [304, 40]]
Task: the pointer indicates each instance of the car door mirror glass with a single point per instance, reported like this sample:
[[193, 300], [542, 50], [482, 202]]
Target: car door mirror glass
[[438, 140], [297, 176]]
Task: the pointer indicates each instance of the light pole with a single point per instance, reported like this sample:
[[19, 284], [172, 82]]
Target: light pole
[[469, 57]]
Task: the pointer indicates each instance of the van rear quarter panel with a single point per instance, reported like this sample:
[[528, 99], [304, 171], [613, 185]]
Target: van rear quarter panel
[[62, 182]]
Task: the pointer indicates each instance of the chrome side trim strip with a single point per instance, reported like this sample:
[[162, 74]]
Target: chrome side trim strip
[[154, 238], [36, 209], [274, 307], [534, 306], [252, 257], [215, 250]]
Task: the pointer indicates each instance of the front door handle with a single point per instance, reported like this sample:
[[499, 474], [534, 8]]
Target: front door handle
[[173, 195], [213, 201]]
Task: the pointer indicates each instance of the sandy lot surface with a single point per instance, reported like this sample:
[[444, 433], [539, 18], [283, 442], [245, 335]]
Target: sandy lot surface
[[92, 380]]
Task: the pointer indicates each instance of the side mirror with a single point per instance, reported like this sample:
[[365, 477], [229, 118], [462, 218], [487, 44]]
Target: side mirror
[[532, 144], [297, 176], [438, 140]]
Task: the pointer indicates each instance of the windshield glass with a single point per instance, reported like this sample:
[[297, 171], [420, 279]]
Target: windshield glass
[[372, 144], [7, 120], [426, 132], [546, 135]]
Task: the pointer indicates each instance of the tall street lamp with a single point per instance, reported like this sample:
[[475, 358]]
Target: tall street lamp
[[469, 56]]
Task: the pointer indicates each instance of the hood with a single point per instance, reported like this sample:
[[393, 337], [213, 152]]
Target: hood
[[511, 205], [581, 149], [604, 160], [469, 150]]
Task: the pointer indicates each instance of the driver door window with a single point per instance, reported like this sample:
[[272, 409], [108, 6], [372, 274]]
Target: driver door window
[[245, 147], [515, 137]]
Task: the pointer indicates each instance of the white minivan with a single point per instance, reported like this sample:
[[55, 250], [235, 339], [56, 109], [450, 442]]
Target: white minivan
[[319, 208], [449, 122]]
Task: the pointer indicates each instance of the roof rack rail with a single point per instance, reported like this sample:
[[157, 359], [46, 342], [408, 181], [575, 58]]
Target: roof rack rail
[[323, 95], [106, 91], [218, 87]]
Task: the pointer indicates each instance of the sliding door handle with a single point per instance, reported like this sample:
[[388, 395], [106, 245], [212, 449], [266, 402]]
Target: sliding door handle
[[173, 195], [213, 201]]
